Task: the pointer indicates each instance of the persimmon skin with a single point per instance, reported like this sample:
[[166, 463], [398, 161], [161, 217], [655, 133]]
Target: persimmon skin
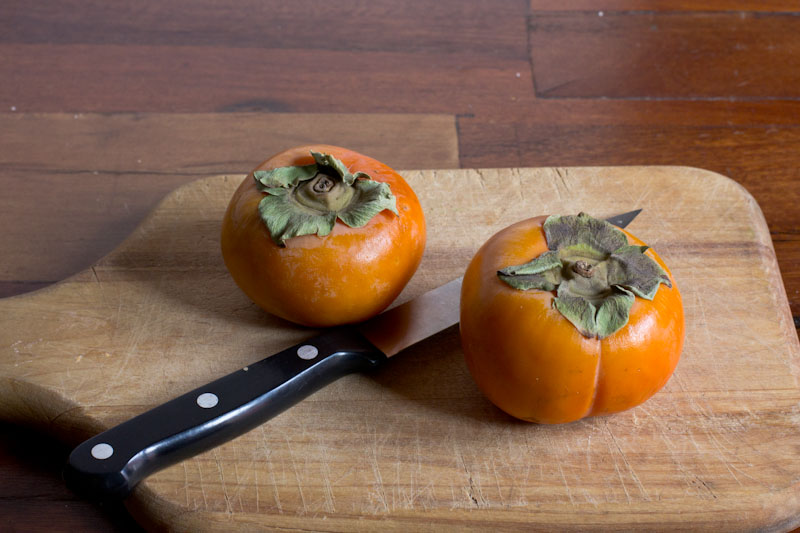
[[345, 277], [535, 365]]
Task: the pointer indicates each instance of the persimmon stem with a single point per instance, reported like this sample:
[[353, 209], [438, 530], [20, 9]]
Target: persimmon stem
[[324, 194], [323, 183], [583, 269]]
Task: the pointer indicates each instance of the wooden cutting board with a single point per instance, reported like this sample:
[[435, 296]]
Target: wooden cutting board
[[414, 445]]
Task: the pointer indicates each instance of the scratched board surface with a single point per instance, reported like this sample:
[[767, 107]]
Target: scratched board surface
[[414, 445]]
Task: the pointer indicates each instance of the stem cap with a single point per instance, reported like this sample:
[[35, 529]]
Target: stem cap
[[595, 272], [308, 199]]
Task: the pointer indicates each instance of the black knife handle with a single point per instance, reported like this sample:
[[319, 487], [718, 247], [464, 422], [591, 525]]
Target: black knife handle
[[109, 465]]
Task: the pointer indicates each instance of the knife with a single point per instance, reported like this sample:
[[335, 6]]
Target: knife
[[109, 465]]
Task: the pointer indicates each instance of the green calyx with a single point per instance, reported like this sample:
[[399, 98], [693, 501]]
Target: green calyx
[[595, 272], [304, 200]]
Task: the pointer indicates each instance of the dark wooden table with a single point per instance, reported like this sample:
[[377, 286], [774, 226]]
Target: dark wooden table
[[107, 105]]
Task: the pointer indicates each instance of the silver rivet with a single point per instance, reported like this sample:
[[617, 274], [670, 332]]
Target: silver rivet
[[102, 451], [307, 352], [207, 400]]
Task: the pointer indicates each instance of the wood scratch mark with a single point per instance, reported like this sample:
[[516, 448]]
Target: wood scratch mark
[[376, 471], [225, 494], [706, 486], [589, 453], [628, 466], [202, 485], [61, 379], [640, 201], [185, 482], [616, 465], [745, 474], [757, 337], [481, 179], [567, 489], [296, 475], [471, 491], [258, 492], [326, 481], [239, 485], [520, 185], [271, 470], [722, 451], [688, 475], [678, 380], [563, 190], [497, 483], [566, 483], [143, 329], [622, 480], [706, 325]]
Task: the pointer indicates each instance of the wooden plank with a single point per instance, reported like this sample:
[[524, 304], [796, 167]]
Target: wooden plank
[[201, 144], [665, 55], [414, 445], [97, 176], [462, 26], [634, 112], [84, 78], [769, 6]]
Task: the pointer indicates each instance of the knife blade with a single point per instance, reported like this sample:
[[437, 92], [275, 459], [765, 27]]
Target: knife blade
[[111, 464]]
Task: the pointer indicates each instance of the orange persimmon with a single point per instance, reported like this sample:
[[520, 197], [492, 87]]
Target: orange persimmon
[[321, 235], [568, 317]]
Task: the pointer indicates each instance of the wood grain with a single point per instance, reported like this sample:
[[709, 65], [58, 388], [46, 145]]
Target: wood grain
[[413, 26], [195, 78], [200, 144], [415, 445], [666, 55], [753, 6]]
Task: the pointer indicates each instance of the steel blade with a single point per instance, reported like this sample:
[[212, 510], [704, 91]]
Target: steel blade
[[624, 219], [415, 320]]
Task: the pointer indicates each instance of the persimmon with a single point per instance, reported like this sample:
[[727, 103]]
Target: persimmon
[[322, 235], [564, 317]]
